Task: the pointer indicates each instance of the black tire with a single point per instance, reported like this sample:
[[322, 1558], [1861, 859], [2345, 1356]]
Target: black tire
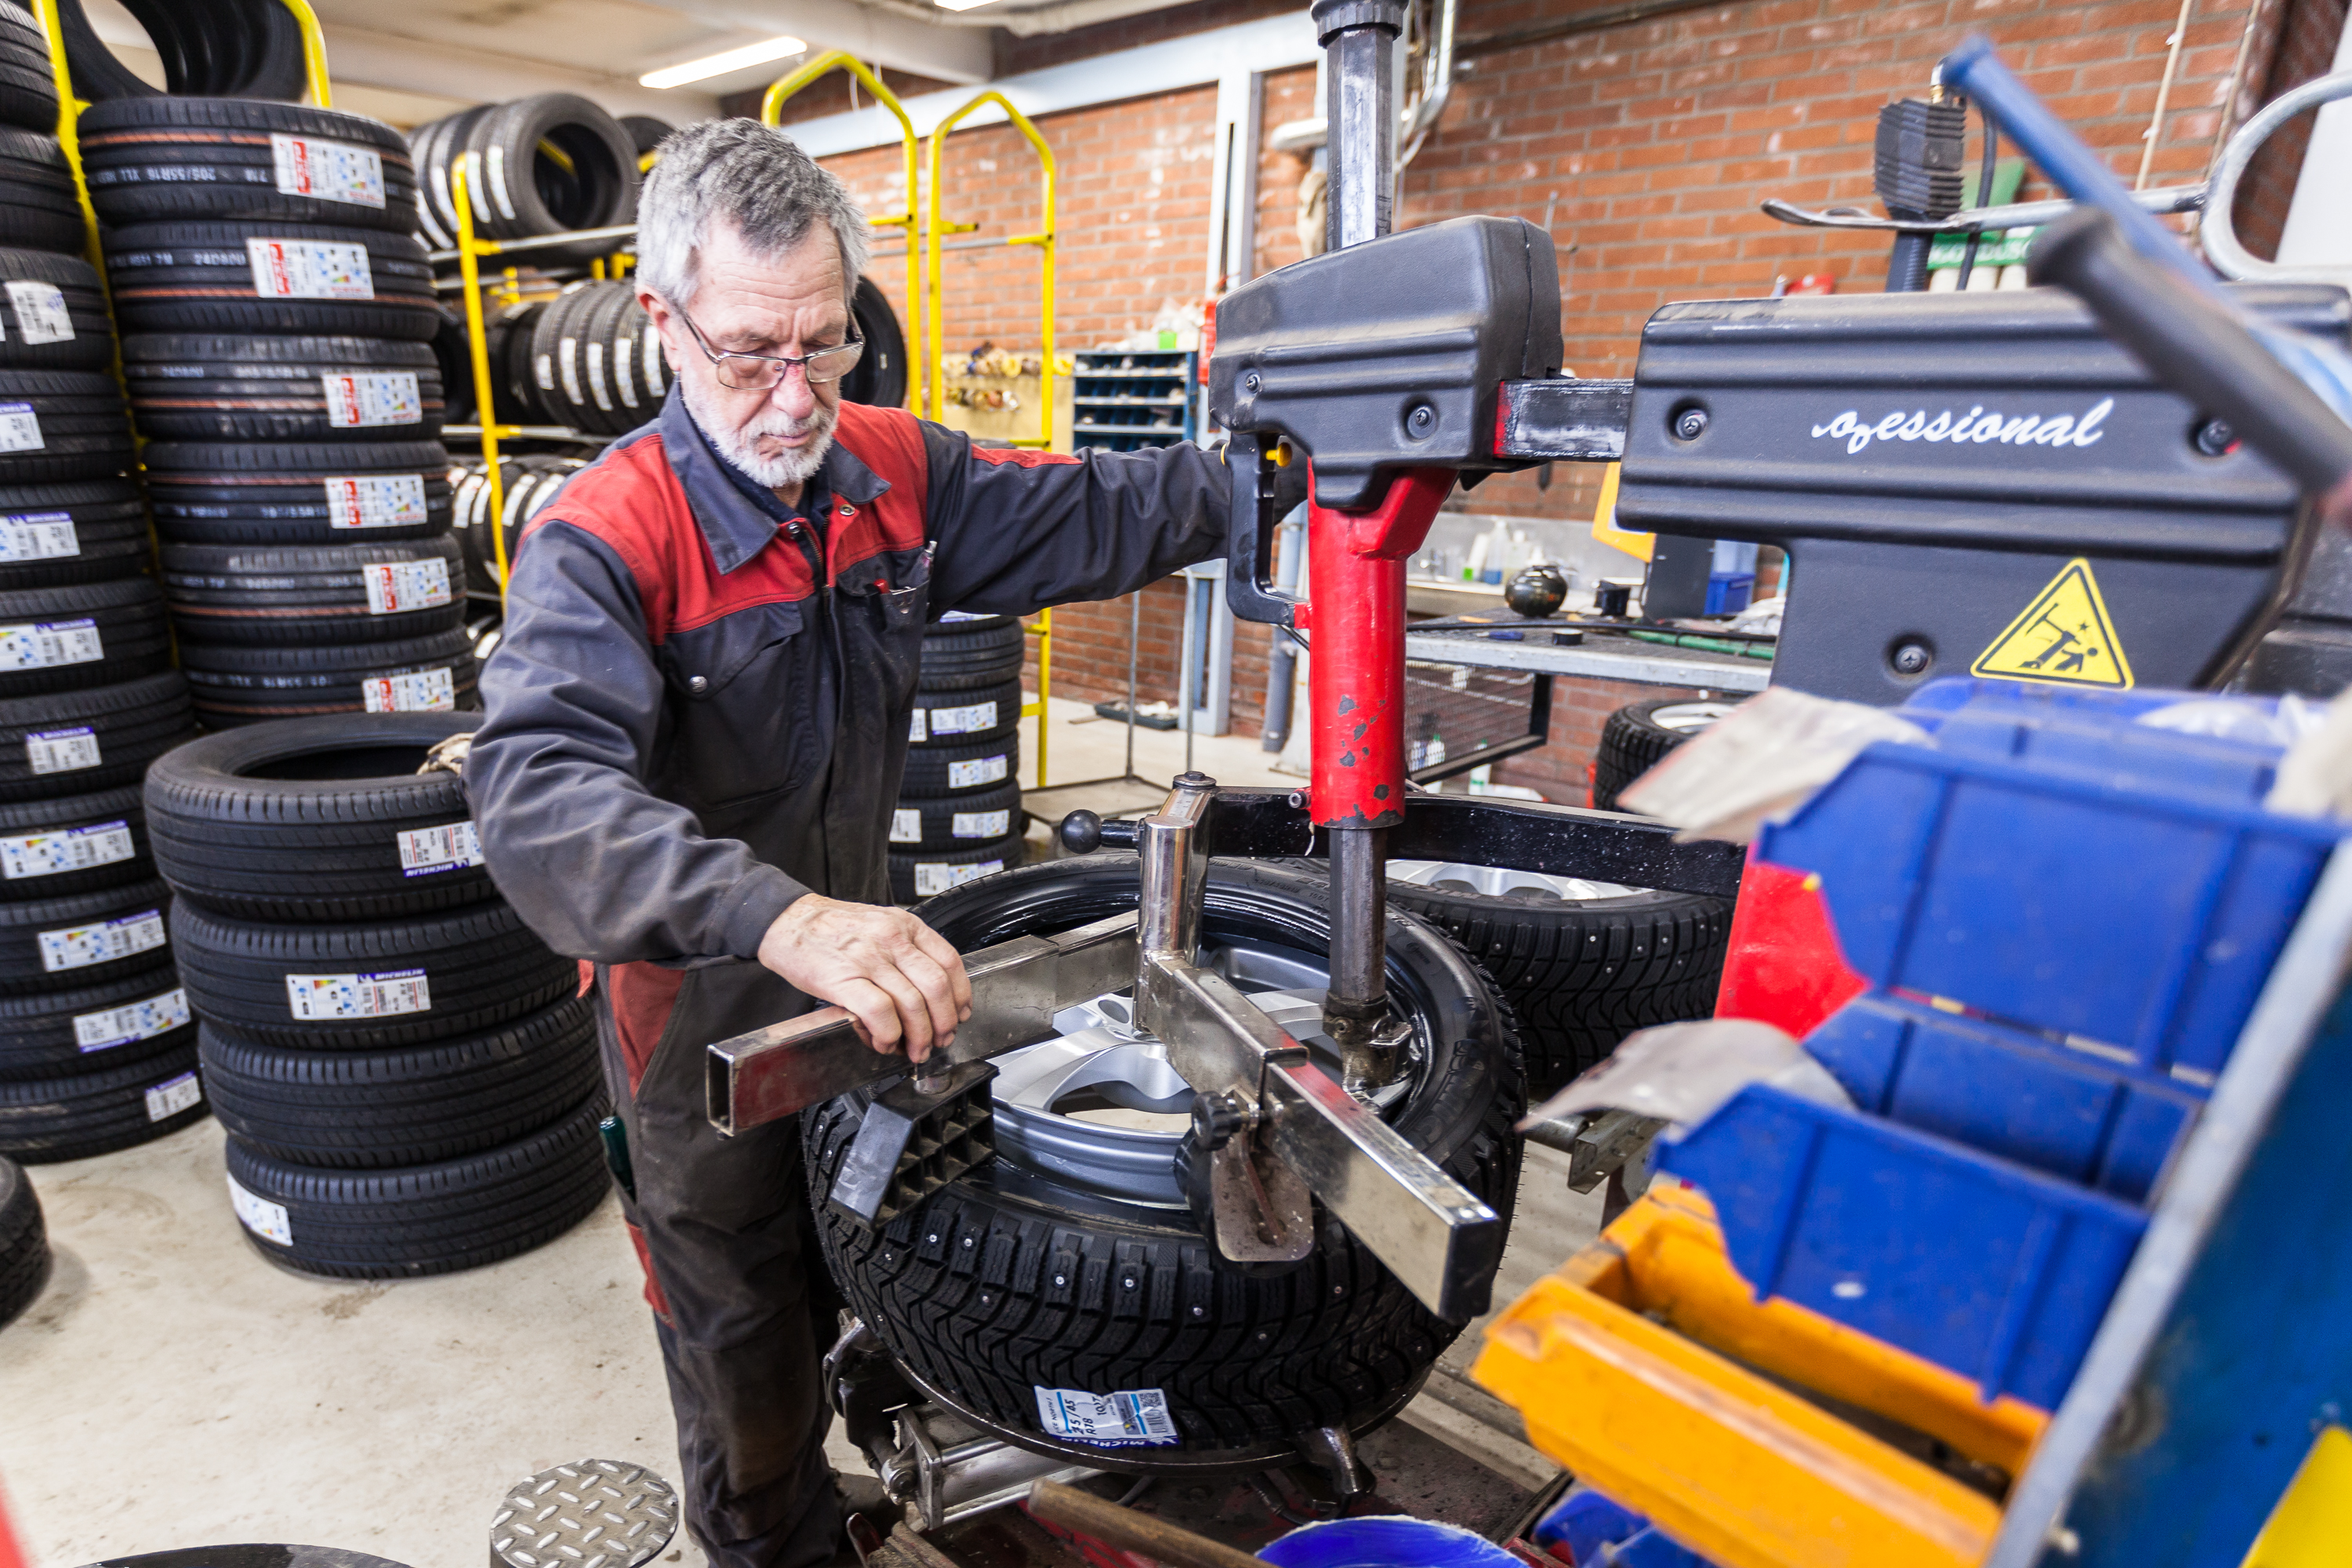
[[954, 770], [645, 133], [1003, 1282], [28, 90], [425, 1219], [49, 945], [318, 819], [78, 418], [521, 188], [370, 1111], [23, 1244], [1634, 739], [959, 717], [956, 822], [46, 743], [921, 875], [107, 528], [38, 207], [234, 686], [957, 660], [1581, 974], [48, 295], [433, 146], [73, 844], [297, 492], [125, 616], [528, 483], [48, 1120], [195, 159], [199, 278], [241, 49], [879, 377], [273, 390], [481, 966], [66, 1033], [453, 358], [277, 595]]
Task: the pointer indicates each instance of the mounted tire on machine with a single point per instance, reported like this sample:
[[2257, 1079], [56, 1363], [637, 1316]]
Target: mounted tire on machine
[[1636, 738], [1089, 1269]]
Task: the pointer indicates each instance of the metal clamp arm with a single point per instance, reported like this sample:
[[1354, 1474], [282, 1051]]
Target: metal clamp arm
[[1249, 537]]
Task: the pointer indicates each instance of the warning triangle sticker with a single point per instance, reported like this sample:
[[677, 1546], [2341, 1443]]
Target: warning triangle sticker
[[2065, 637]]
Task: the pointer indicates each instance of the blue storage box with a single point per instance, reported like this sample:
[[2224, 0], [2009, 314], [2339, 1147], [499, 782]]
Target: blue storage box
[[1996, 1271], [2138, 904]]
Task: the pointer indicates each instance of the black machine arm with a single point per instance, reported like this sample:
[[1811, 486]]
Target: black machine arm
[[1249, 539]]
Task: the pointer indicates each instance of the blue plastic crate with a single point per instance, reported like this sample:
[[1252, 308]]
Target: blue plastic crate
[[2137, 902], [1727, 592], [1975, 1262]]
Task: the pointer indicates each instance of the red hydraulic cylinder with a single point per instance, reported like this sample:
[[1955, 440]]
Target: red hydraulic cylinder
[[1354, 612]]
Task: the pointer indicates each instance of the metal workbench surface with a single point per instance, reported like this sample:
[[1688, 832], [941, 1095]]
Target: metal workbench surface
[[1601, 655]]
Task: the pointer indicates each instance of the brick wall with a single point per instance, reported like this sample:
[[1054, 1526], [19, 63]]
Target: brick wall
[[2303, 48], [1559, 772], [1648, 147]]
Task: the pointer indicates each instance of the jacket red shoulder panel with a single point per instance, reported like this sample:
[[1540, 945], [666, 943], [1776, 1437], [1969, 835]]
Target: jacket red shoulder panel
[[890, 442]]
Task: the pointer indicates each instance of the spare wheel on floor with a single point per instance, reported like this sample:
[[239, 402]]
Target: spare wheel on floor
[[1075, 1262]]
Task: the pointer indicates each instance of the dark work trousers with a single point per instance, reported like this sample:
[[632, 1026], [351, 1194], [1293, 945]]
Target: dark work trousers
[[744, 1307]]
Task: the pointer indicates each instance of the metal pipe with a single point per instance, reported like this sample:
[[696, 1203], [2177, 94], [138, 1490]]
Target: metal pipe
[[1357, 1003], [1359, 39]]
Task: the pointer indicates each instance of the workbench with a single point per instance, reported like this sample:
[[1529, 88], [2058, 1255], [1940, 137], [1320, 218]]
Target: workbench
[[1603, 655]]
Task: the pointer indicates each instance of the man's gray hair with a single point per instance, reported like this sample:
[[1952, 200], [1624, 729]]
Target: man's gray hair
[[755, 177]]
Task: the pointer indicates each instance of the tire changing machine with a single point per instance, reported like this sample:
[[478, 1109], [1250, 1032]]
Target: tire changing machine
[[1399, 364]]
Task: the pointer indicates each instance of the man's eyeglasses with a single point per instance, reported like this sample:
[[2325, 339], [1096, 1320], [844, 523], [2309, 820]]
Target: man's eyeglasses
[[761, 373]]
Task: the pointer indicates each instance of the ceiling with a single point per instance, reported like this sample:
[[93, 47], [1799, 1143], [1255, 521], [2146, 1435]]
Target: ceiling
[[417, 59]]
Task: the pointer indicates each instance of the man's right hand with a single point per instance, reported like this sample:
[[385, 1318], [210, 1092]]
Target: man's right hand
[[897, 976]]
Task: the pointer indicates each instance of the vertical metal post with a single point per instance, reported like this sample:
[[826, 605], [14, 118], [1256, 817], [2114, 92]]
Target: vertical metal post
[[1134, 642], [1356, 587]]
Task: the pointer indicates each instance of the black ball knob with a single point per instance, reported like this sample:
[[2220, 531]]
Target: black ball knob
[[1082, 831], [1536, 591], [1217, 1118]]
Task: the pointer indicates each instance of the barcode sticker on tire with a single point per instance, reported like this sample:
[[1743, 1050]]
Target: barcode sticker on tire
[[309, 270], [377, 500], [158, 1014], [1131, 1418], [964, 720], [103, 942], [41, 313], [173, 1096], [61, 751], [906, 826], [75, 849], [980, 771], [937, 877], [377, 397], [981, 825], [411, 691], [394, 586], [916, 732], [330, 171], [45, 643], [259, 1215], [314, 996], [36, 536], [452, 847], [20, 428]]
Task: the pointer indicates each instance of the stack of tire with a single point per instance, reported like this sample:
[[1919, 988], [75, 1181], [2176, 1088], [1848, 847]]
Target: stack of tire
[[528, 483], [24, 1243], [408, 1076], [96, 1049], [540, 165], [279, 318], [959, 815]]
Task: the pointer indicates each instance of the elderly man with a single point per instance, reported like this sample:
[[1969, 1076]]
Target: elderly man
[[697, 722]]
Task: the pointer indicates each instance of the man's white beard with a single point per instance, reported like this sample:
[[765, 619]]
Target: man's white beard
[[740, 445]]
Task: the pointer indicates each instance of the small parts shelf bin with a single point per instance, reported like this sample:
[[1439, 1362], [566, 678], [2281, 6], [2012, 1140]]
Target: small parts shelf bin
[[1127, 400], [2063, 917]]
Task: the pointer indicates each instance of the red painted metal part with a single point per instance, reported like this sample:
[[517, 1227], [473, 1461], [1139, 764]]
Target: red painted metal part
[[1355, 573], [1784, 966]]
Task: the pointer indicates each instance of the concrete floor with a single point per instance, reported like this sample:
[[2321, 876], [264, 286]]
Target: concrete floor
[[172, 1389]]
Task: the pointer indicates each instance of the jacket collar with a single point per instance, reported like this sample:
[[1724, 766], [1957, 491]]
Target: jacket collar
[[737, 514]]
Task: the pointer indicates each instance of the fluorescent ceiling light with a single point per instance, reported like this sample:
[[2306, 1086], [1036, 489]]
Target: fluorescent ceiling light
[[962, 4], [719, 65]]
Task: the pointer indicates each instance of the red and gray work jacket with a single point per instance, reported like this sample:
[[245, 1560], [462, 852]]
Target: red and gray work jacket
[[699, 709]]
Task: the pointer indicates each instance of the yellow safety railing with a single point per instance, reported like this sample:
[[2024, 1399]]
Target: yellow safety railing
[[934, 226], [470, 252], [772, 108], [314, 52]]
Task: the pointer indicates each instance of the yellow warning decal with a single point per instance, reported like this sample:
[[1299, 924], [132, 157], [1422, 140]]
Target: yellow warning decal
[[2065, 637]]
